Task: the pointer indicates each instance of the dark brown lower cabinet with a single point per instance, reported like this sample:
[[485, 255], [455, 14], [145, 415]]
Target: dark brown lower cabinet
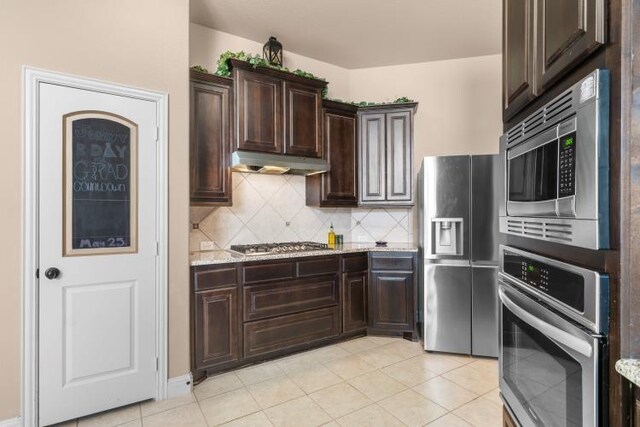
[[392, 294], [217, 332], [292, 296], [275, 335], [506, 419], [354, 301], [391, 300], [249, 312]]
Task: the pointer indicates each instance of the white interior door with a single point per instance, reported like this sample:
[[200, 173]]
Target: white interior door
[[97, 251]]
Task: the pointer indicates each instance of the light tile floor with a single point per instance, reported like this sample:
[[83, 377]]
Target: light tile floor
[[369, 381]]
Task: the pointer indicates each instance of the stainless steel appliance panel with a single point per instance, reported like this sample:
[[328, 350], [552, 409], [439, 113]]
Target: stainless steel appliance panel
[[446, 207], [594, 312], [448, 308], [556, 168], [485, 198], [484, 312], [550, 370]]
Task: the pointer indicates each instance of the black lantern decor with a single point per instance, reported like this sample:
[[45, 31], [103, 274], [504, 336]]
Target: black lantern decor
[[272, 51]]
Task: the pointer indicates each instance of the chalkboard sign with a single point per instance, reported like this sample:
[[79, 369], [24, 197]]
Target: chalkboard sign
[[100, 184]]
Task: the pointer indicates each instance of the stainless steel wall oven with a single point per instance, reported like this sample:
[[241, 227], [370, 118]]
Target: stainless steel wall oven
[[553, 341], [556, 168]]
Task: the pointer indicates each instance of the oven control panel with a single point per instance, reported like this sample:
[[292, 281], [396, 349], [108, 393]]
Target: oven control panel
[[567, 166], [562, 285]]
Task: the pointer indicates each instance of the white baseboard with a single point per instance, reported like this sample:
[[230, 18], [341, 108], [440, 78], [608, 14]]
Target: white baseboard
[[13, 422], [177, 386]]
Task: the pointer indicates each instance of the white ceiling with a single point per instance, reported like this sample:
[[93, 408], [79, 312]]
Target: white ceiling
[[362, 33]]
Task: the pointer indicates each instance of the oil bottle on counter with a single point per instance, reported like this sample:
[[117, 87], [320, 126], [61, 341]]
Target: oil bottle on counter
[[331, 237]]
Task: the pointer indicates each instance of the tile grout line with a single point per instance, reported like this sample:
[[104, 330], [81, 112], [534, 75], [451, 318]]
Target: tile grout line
[[324, 363]]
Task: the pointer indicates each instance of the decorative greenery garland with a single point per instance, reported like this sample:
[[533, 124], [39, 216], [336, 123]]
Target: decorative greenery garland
[[200, 68], [256, 61], [401, 100]]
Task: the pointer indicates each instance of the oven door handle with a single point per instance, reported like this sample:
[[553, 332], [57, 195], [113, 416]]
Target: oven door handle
[[558, 335]]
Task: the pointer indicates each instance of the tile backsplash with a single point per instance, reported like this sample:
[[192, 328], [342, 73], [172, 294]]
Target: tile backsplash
[[271, 208]]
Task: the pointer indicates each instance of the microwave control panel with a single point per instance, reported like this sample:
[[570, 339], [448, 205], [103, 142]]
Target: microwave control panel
[[567, 166]]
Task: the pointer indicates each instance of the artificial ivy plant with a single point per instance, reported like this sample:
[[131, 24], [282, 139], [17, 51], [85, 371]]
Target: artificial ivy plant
[[256, 61]]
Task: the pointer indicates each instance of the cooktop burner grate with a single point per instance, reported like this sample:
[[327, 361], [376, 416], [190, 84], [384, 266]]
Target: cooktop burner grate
[[276, 248]]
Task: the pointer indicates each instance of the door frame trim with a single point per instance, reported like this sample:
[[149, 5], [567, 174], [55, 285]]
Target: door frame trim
[[32, 78]]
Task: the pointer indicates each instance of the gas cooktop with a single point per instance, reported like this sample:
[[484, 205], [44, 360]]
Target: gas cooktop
[[277, 248]]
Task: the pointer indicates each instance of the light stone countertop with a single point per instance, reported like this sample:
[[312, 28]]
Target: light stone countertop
[[223, 257], [630, 369]]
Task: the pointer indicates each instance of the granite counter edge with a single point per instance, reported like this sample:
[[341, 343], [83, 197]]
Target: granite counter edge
[[230, 259]]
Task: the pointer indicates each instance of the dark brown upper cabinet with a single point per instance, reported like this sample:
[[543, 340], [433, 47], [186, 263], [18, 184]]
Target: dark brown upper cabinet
[[339, 186], [386, 155], [277, 112], [517, 59], [210, 139], [566, 33], [303, 117], [259, 110]]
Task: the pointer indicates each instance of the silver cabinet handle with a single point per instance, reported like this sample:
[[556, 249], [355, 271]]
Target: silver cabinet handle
[[558, 335]]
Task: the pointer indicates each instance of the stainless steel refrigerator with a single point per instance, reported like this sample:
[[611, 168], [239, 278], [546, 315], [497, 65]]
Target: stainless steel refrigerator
[[459, 238]]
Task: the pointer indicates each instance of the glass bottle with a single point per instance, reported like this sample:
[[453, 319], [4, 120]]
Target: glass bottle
[[331, 238]]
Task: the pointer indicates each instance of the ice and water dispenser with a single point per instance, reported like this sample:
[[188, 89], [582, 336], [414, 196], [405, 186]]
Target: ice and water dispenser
[[447, 236]]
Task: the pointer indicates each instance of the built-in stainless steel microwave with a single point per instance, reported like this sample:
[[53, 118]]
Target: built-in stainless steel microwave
[[556, 168]]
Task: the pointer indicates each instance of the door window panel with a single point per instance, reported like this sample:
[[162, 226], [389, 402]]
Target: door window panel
[[100, 184]]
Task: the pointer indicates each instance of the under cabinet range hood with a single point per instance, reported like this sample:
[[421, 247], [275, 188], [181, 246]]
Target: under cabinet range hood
[[278, 164]]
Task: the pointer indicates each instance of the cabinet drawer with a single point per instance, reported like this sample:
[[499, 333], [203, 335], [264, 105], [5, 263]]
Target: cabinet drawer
[[266, 272], [276, 299], [317, 266], [354, 263], [394, 262], [287, 332], [214, 277]]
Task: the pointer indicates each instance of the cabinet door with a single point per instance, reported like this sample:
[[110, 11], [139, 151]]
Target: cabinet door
[[399, 156], [567, 32], [259, 112], [517, 55], [340, 184], [210, 143], [373, 160], [217, 332], [391, 301], [303, 113], [354, 309]]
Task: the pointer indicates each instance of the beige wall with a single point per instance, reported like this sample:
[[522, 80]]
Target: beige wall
[[146, 44], [207, 44], [141, 43], [460, 107]]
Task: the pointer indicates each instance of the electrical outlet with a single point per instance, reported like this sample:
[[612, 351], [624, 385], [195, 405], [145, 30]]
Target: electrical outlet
[[207, 246]]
